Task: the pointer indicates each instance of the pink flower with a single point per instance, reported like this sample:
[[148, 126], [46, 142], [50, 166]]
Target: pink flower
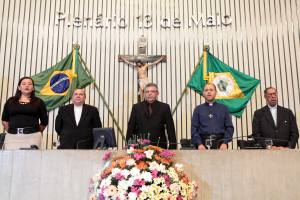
[[104, 175], [167, 179], [101, 197], [144, 142], [106, 156], [179, 197], [139, 156], [133, 146], [136, 190], [138, 182], [167, 154], [154, 173], [119, 176]]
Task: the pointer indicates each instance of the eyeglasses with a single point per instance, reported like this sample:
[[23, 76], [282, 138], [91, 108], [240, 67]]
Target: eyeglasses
[[150, 91]]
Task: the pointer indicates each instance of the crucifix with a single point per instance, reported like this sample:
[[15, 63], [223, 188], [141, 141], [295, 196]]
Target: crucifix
[[142, 61]]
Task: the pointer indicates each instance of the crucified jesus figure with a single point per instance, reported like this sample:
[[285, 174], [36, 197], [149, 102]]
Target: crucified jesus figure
[[142, 68]]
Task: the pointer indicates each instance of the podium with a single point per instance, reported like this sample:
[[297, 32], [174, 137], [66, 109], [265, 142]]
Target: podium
[[232, 174]]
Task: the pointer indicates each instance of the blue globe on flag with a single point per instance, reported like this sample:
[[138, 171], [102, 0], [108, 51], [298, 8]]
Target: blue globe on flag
[[60, 83]]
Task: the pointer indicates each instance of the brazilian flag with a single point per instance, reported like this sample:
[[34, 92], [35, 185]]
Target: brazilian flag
[[234, 88], [56, 84]]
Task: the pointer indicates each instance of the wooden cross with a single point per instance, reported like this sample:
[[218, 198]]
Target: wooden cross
[[142, 62]]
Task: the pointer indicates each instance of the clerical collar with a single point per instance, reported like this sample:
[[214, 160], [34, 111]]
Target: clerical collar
[[210, 103]]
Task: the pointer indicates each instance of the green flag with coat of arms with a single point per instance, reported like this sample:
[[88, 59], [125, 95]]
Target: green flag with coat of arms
[[56, 85], [234, 88]]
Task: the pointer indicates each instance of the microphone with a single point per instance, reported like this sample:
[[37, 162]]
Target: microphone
[[258, 142], [243, 144], [268, 142], [158, 141]]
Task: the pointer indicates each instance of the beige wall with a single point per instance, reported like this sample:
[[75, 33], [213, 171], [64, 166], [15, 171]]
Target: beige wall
[[262, 41]]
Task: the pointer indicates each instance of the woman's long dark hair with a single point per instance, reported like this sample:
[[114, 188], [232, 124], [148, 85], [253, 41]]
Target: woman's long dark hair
[[18, 92]]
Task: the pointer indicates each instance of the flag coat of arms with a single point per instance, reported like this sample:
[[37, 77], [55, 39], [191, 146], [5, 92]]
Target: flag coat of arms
[[234, 88], [56, 85]]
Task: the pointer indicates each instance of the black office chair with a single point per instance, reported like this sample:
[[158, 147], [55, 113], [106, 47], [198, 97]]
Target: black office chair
[[104, 138]]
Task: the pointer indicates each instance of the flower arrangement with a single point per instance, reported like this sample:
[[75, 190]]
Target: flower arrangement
[[146, 172]]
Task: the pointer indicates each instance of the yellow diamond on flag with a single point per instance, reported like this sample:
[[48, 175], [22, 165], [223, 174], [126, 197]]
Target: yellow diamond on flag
[[227, 88], [58, 83]]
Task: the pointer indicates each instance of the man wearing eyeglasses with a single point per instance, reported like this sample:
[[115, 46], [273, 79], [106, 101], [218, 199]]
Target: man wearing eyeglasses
[[275, 123], [150, 119]]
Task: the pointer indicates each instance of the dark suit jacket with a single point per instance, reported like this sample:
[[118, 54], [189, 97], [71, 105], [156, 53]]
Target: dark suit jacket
[[284, 134], [73, 136], [141, 123]]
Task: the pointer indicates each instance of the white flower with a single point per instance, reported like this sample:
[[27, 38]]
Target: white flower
[[147, 176], [122, 194], [132, 196], [114, 171], [130, 162], [175, 188], [96, 177], [159, 181], [173, 174], [143, 196], [135, 171], [149, 153], [123, 185], [131, 180], [153, 165], [144, 188], [130, 150], [111, 191], [125, 173], [106, 182], [162, 168], [179, 167]]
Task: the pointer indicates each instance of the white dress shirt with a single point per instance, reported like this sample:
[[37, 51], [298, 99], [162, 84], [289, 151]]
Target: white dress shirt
[[273, 111], [77, 113]]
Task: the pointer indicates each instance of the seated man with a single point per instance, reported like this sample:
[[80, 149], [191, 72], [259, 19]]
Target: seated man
[[74, 123], [150, 118], [211, 122], [275, 122]]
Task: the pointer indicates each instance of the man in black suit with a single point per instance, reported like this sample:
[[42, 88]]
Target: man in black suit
[[150, 118], [275, 122], [74, 123]]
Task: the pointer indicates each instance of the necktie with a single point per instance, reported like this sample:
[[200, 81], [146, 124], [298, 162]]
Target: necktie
[[150, 109]]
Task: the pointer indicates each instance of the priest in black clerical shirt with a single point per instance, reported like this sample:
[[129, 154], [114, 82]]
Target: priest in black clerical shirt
[[211, 122], [150, 119]]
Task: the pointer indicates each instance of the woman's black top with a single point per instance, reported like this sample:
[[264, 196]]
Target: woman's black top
[[25, 115]]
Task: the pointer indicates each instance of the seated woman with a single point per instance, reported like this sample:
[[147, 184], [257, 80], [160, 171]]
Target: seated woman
[[24, 117]]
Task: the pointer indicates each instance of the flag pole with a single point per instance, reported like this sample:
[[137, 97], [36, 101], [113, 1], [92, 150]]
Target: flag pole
[[102, 97], [205, 50], [75, 47], [205, 76], [185, 89]]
